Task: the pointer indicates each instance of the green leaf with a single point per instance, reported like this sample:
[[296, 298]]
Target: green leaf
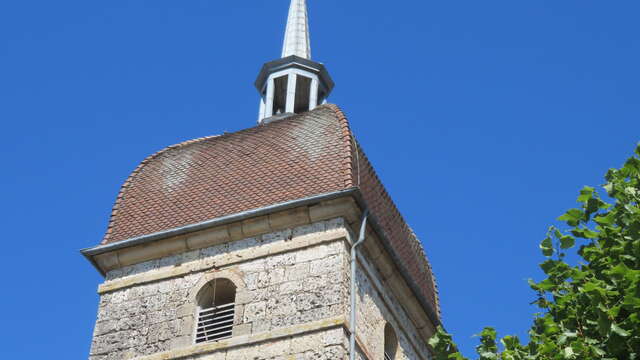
[[572, 217], [604, 324], [632, 301], [434, 340], [597, 350], [567, 242], [547, 247], [613, 312], [588, 287], [618, 330], [510, 342], [557, 233], [548, 265], [585, 194], [593, 205], [546, 285], [621, 270], [584, 233], [591, 286], [608, 219], [632, 167], [488, 332]]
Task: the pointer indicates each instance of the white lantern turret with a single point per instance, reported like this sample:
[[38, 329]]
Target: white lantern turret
[[293, 84]]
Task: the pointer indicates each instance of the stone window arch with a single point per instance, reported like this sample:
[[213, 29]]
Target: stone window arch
[[390, 342], [215, 310]]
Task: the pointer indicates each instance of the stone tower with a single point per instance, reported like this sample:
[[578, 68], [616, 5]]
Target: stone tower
[[243, 245]]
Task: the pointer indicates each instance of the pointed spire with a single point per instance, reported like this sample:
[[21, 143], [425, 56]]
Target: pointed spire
[[296, 37]]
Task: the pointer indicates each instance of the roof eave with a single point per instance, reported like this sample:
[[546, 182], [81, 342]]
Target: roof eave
[[355, 192], [295, 62], [89, 253]]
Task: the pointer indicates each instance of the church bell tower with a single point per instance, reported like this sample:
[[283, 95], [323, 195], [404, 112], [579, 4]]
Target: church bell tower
[[274, 242], [294, 83]]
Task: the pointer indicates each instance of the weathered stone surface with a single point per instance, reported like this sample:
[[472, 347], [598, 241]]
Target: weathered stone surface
[[284, 279], [377, 305], [274, 291]]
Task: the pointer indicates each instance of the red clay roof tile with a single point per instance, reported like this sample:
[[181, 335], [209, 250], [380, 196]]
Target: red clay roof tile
[[304, 155]]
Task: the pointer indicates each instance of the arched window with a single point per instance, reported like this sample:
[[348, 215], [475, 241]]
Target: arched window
[[216, 304], [390, 343]]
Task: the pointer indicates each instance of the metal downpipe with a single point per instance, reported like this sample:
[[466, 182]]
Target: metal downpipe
[[354, 253]]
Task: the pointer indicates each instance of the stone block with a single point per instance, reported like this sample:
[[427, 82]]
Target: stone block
[[238, 314], [343, 207], [186, 310], [108, 261], [280, 260], [260, 326], [235, 231], [253, 266], [277, 236], [297, 272], [312, 253], [209, 237], [219, 355], [291, 287], [186, 326], [335, 224], [334, 337], [178, 342], [289, 218], [255, 311], [314, 341], [325, 265], [162, 248], [255, 226], [242, 329]]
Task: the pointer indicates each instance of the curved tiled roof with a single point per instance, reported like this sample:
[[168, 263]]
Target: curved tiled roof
[[308, 154]]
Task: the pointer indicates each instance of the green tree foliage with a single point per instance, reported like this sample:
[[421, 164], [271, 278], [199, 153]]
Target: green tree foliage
[[589, 311]]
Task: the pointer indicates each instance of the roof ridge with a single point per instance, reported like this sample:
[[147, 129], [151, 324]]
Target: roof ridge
[[348, 142], [135, 172], [352, 179], [394, 208]]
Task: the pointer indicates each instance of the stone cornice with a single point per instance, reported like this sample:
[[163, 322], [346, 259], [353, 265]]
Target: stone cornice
[[224, 261], [277, 219]]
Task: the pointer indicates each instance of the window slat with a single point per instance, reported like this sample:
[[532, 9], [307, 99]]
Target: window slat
[[215, 335], [215, 323], [216, 313], [215, 326], [215, 317]]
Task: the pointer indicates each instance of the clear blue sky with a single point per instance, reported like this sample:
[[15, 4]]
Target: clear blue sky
[[483, 119]]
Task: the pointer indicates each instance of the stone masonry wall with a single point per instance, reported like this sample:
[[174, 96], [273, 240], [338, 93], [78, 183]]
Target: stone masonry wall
[[377, 305], [287, 288]]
